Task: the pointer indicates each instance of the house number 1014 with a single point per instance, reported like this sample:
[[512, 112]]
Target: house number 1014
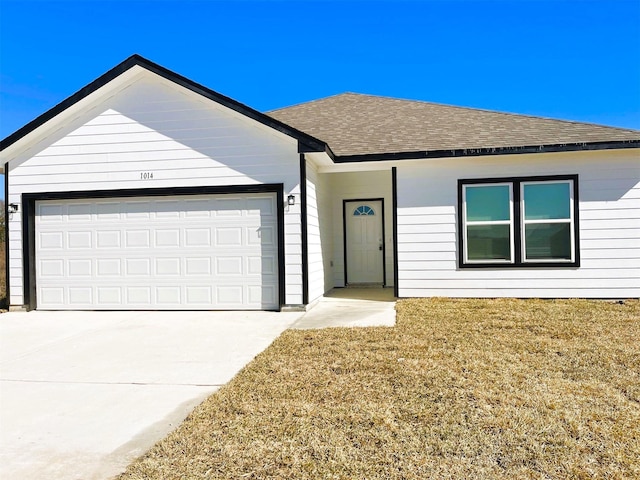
[[146, 175]]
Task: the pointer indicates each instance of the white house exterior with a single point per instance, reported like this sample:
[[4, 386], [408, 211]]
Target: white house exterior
[[147, 191]]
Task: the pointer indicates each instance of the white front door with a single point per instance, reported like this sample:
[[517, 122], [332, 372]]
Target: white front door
[[364, 241]]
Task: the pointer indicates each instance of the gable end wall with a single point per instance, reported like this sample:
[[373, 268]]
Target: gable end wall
[[154, 126]]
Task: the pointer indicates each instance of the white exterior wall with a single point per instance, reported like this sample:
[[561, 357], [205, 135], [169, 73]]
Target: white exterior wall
[[360, 185], [609, 210], [154, 126], [319, 233]]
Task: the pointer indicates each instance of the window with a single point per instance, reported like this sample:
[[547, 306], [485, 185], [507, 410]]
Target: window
[[489, 222], [363, 210], [518, 222]]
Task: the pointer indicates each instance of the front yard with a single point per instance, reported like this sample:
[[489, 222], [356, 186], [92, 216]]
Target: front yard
[[459, 389]]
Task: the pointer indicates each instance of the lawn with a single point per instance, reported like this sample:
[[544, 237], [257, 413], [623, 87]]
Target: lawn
[[458, 389]]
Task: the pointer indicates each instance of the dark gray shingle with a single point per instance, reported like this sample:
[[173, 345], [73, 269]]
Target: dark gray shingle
[[355, 124]]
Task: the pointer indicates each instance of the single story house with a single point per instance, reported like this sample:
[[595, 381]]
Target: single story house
[[146, 190]]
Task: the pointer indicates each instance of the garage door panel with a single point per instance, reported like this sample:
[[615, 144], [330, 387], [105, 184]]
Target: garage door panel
[[262, 265], [80, 296], [229, 207], [81, 267], [137, 210], [108, 239], [52, 268], [167, 237], [229, 294], [109, 296], [168, 295], [208, 252], [109, 267], [79, 212], [229, 265], [51, 240], [51, 213], [226, 236], [164, 209], [260, 207], [137, 239], [199, 295], [263, 236], [264, 293], [108, 212], [197, 237], [198, 266], [198, 208], [80, 239], [53, 296], [138, 296]]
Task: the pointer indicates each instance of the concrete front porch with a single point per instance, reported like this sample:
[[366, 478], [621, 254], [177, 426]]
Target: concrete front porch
[[351, 307]]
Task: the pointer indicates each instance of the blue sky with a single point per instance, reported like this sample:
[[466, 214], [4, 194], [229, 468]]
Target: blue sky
[[569, 59]]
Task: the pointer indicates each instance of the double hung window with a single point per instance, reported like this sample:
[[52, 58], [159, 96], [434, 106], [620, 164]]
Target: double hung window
[[518, 222]]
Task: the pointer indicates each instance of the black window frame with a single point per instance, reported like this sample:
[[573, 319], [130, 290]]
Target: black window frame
[[518, 224]]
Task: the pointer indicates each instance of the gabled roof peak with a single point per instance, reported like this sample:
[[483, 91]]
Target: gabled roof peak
[[310, 143]]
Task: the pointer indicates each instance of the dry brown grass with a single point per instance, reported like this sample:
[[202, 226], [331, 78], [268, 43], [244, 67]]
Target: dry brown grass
[[459, 389]]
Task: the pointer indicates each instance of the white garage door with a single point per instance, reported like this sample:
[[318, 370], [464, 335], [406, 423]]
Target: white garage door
[[164, 253]]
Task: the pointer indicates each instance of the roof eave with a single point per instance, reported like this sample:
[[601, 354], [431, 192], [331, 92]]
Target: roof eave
[[478, 152]]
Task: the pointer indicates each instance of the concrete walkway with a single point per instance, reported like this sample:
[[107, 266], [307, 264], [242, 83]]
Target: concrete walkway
[[351, 307]]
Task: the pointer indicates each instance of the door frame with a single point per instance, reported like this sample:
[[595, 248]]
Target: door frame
[[344, 236], [29, 225]]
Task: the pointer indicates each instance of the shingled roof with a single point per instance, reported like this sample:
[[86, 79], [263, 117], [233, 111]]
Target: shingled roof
[[356, 125]]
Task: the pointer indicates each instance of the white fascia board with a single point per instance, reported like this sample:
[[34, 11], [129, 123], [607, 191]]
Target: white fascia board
[[320, 159], [360, 166]]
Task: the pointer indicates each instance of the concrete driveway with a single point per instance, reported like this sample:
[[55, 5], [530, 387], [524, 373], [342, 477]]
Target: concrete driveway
[[84, 393]]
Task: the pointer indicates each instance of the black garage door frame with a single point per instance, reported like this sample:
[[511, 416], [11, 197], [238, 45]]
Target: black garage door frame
[[29, 221]]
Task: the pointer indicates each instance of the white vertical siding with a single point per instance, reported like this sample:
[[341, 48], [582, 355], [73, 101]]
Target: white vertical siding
[[154, 126], [360, 185], [609, 208], [319, 233]]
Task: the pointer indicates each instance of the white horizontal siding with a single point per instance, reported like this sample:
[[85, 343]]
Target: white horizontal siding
[[609, 209], [219, 148], [154, 126], [602, 233], [293, 251], [491, 292], [319, 233], [598, 268], [534, 283]]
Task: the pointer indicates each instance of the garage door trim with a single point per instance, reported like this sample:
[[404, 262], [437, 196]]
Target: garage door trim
[[29, 213]]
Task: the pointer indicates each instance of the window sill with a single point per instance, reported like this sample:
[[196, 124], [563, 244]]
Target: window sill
[[520, 265]]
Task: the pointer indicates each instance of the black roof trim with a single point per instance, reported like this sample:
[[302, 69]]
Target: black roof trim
[[477, 152], [307, 143]]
